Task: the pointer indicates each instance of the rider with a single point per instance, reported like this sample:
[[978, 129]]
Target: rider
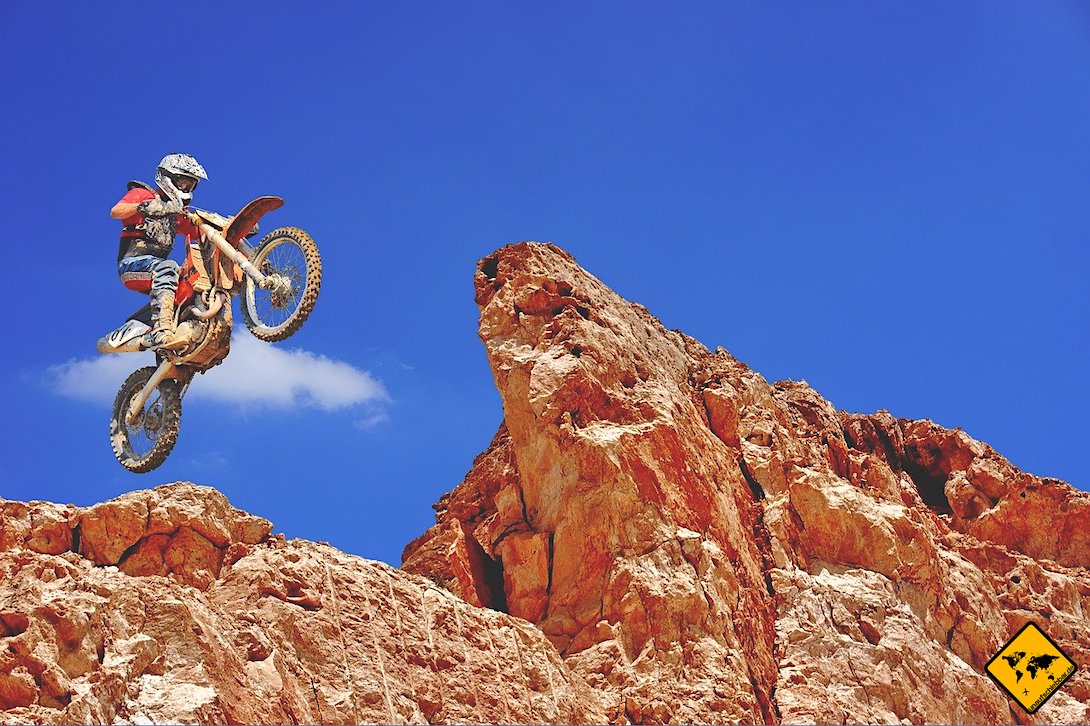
[[150, 220]]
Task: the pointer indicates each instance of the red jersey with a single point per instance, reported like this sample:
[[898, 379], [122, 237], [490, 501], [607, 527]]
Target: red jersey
[[141, 235]]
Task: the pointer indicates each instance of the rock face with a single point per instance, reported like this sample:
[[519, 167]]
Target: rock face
[[171, 606], [703, 546], [655, 534]]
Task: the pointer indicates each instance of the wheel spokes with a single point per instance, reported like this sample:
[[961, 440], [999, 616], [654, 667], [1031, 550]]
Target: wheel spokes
[[143, 434], [287, 261]]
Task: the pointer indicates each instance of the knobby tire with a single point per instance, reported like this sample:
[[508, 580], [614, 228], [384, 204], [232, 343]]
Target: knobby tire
[[312, 283], [169, 392]]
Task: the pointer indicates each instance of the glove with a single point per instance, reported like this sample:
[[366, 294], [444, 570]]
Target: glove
[[159, 208]]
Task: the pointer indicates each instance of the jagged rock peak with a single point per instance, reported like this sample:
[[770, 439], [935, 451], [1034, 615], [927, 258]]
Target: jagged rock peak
[[703, 546], [655, 534]]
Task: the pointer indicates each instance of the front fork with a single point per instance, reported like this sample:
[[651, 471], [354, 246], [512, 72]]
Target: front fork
[[278, 284], [166, 369]]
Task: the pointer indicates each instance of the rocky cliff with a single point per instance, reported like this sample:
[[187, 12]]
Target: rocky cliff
[[655, 534], [171, 606]]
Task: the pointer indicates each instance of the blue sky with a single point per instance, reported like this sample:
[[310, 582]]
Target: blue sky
[[887, 200]]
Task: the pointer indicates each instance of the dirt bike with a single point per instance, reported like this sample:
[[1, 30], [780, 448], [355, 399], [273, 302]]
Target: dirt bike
[[278, 282]]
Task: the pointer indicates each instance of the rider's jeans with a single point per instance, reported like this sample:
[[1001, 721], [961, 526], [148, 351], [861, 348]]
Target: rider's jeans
[[163, 273]]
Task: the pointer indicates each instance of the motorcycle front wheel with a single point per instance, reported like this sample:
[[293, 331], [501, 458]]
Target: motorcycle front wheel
[[145, 444], [289, 256]]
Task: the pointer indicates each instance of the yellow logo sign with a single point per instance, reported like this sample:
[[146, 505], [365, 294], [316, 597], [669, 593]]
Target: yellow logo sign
[[1030, 668]]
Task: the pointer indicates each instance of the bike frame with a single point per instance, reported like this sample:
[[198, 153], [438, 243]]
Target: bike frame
[[169, 368]]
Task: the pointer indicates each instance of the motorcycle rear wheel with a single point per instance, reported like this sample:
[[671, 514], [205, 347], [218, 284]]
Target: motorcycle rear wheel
[[291, 253], [145, 444]]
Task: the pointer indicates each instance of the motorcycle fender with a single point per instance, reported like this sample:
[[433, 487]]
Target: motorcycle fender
[[126, 339], [245, 220]]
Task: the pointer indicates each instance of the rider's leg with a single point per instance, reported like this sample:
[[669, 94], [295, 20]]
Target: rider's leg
[[159, 277], [164, 284]]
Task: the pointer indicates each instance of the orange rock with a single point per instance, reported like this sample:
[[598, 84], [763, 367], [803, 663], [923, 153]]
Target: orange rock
[[655, 534], [288, 632], [526, 570], [740, 550], [39, 526]]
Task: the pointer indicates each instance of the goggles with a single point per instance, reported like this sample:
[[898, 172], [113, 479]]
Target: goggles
[[185, 184]]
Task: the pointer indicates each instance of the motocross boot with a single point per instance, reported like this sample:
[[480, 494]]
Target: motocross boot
[[164, 332]]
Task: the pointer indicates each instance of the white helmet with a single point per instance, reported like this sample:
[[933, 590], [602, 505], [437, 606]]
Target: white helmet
[[172, 169]]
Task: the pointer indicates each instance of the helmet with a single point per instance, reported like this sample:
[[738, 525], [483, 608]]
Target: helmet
[[172, 170]]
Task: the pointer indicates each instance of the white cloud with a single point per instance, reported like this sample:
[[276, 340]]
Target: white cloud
[[255, 374], [371, 420], [259, 373], [96, 380]]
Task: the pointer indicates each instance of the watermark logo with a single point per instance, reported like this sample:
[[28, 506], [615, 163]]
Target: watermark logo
[[1030, 668]]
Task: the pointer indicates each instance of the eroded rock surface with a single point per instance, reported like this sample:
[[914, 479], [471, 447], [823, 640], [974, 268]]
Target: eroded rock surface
[[182, 609], [655, 534], [703, 546]]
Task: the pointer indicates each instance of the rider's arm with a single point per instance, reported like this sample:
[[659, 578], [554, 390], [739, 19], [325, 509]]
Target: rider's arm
[[123, 210], [126, 207]]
